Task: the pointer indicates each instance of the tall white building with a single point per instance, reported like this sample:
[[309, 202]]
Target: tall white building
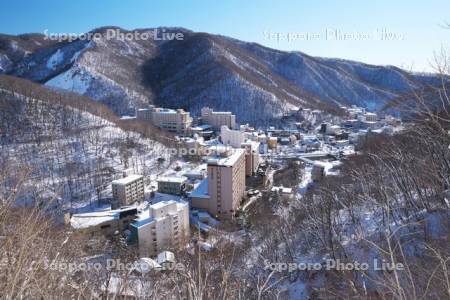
[[217, 119], [128, 190], [233, 138], [166, 227], [251, 157]]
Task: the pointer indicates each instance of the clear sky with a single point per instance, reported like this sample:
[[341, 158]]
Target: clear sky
[[316, 27]]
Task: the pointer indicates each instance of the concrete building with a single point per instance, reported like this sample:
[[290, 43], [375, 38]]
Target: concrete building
[[104, 222], [272, 142], [165, 226], [194, 147], [169, 119], [204, 131], [233, 138], [370, 117], [226, 182], [251, 157], [174, 185], [217, 119], [262, 138], [128, 190]]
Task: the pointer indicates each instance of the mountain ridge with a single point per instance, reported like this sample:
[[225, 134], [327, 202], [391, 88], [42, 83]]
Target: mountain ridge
[[256, 82]]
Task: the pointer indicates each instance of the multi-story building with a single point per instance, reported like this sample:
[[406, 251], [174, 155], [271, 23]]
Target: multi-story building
[[217, 119], [128, 190], [233, 138], [174, 185], [174, 120], [226, 182], [251, 157], [272, 142], [370, 117], [165, 227]]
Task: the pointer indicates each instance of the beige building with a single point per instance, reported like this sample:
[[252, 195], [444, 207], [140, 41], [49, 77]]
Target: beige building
[[169, 119], [128, 190], [272, 142], [217, 119], [226, 182], [174, 185], [165, 227], [251, 157]]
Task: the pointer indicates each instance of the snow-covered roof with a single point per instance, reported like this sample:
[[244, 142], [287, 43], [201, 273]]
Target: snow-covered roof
[[165, 256], [202, 127], [145, 265], [175, 179], [201, 191], [86, 220], [127, 180], [281, 189], [253, 144], [127, 117], [91, 219], [227, 161], [161, 204]]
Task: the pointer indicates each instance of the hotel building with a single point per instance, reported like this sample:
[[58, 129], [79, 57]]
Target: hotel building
[[226, 182], [169, 119], [128, 190], [165, 227], [217, 119]]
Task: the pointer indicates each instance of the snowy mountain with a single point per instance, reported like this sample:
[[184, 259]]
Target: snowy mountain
[[255, 82]]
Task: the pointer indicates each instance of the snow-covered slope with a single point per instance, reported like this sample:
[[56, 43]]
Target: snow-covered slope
[[72, 153], [255, 82]]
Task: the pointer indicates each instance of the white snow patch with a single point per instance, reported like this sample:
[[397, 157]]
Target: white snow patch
[[78, 53], [55, 59], [75, 79]]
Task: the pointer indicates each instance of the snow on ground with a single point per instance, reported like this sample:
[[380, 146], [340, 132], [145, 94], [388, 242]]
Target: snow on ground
[[75, 79], [55, 59], [78, 53], [66, 164], [329, 166], [306, 181]]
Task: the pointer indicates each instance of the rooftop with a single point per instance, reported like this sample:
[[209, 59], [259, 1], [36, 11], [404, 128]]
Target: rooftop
[[227, 161], [91, 219], [281, 189], [202, 127], [162, 204], [201, 191], [178, 179], [127, 180], [253, 144]]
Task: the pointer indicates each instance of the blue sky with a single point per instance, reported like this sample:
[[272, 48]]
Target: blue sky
[[417, 25]]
